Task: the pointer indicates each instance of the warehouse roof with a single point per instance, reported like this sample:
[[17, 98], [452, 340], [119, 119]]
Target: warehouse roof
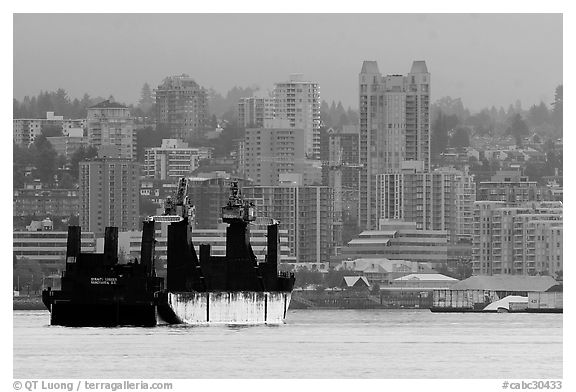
[[506, 283], [426, 277]]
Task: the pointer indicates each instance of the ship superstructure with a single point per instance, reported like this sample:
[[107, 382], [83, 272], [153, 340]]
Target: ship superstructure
[[229, 289]]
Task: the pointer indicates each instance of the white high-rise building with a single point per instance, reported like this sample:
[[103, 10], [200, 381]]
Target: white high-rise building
[[394, 128], [439, 200], [110, 124], [298, 102], [254, 111], [270, 152]]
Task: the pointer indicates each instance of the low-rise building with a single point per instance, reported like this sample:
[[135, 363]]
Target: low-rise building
[[173, 160], [26, 130], [507, 284], [130, 242], [399, 241], [47, 247], [381, 271], [33, 200], [512, 239], [424, 281]]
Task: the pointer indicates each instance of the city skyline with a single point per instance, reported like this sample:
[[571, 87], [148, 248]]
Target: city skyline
[[385, 189], [457, 48]]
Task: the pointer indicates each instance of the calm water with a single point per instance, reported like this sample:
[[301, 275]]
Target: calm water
[[313, 344]]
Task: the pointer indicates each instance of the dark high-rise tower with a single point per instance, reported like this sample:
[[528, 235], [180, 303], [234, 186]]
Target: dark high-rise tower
[[181, 106]]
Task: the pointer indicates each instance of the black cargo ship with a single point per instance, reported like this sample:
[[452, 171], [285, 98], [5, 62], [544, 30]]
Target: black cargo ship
[[98, 291], [231, 289]]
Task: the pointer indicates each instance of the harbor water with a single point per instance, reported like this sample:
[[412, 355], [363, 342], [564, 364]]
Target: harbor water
[[312, 344]]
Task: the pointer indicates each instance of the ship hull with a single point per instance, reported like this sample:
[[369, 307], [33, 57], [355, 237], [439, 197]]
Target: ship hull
[[102, 314], [228, 308]]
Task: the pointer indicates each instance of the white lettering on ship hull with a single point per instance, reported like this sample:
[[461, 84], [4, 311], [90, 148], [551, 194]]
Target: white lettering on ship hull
[[103, 281]]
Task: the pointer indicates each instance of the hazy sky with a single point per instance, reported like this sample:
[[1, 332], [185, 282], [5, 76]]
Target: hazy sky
[[486, 59]]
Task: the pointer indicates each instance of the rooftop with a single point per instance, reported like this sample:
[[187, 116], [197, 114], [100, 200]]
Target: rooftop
[[506, 283], [383, 265], [419, 67], [351, 281], [370, 67], [427, 277], [361, 241]]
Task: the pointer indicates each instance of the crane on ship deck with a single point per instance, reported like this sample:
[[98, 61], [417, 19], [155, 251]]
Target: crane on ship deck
[[178, 209]]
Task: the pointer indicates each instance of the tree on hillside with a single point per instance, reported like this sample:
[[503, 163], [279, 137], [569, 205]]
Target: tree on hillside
[[557, 111], [230, 117], [82, 110], [325, 112], [481, 123], [52, 130], [352, 116], [225, 143], [149, 137], [501, 115], [518, 129], [460, 138], [17, 110], [55, 101], [538, 115], [66, 181], [45, 159], [335, 116], [61, 103], [449, 106], [146, 102], [218, 105], [213, 121], [80, 155], [22, 157], [554, 158], [440, 128]]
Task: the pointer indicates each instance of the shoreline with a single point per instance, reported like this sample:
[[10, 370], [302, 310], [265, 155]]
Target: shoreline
[[28, 303], [312, 301]]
